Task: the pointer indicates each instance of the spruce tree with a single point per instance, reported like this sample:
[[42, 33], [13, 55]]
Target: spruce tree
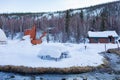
[[81, 16], [103, 24], [67, 21], [104, 16]]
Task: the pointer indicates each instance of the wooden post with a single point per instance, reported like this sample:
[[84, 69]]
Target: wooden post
[[105, 48], [85, 47], [118, 46]]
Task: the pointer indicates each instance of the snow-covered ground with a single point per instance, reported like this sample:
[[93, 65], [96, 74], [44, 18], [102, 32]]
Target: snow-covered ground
[[104, 74], [18, 53]]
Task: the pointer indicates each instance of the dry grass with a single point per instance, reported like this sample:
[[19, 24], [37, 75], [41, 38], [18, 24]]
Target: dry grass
[[29, 70], [41, 70], [104, 65], [116, 51]]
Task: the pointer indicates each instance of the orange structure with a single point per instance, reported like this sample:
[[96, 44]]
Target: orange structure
[[32, 33], [38, 41]]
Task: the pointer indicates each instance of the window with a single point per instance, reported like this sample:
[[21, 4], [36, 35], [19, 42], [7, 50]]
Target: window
[[96, 40]]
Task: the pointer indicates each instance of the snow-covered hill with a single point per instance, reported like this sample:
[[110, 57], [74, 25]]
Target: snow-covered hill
[[65, 26]]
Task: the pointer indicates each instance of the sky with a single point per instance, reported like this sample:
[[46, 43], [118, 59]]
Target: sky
[[9, 6]]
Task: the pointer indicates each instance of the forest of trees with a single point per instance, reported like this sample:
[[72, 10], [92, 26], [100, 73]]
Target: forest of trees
[[71, 25]]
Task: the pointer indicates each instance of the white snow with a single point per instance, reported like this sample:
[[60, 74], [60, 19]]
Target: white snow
[[76, 11], [95, 12], [102, 34], [54, 50], [23, 53], [2, 35]]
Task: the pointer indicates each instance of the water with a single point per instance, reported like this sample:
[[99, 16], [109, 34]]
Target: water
[[111, 73], [87, 76]]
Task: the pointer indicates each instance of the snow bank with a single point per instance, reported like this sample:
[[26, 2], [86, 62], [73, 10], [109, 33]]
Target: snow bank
[[2, 36]]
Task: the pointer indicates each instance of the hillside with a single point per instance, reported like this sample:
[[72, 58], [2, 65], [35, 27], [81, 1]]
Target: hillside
[[65, 26]]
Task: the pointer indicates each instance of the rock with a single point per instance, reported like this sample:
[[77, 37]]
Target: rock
[[12, 76], [64, 79]]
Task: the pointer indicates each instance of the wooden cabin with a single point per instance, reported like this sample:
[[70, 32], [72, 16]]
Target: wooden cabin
[[102, 36]]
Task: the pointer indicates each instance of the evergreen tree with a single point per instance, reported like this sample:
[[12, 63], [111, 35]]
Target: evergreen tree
[[103, 27], [78, 33], [93, 24], [82, 24], [81, 16], [104, 16], [67, 21]]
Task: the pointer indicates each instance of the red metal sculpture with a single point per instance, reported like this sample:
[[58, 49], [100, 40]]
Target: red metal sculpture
[[32, 33]]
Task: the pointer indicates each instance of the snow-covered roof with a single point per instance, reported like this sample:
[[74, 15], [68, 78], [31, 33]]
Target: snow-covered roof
[[2, 35], [102, 34]]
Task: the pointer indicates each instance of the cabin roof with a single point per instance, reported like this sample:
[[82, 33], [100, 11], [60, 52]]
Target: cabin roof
[[102, 34]]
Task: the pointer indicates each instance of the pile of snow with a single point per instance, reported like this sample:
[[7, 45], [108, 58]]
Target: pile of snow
[[24, 53], [2, 36], [53, 50]]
